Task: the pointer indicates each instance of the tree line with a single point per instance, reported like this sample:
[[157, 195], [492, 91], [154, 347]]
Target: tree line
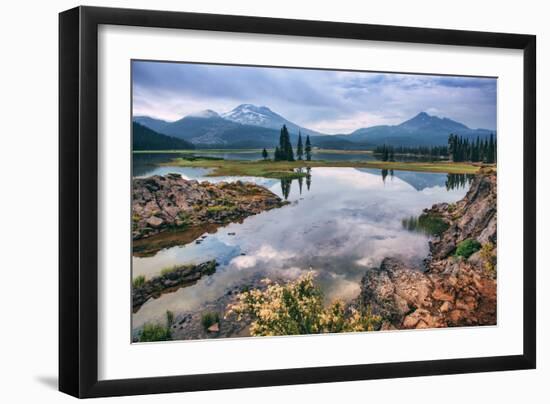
[[285, 152], [480, 150], [458, 149], [388, 153]]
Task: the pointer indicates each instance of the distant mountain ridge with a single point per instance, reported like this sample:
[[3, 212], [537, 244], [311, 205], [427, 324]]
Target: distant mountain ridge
[[421, 130], [250, 126], [144, 138], [155, 124]]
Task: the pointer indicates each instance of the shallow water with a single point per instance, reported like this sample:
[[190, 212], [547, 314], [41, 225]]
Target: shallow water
[[340, 222]]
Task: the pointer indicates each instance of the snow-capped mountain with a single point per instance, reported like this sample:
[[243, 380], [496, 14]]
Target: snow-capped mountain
[[249, 114], [250, 126]]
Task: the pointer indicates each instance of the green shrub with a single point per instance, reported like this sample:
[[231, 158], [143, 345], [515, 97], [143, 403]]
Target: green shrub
[[467, 247], [209, 318], [155, 332], [138, 281]]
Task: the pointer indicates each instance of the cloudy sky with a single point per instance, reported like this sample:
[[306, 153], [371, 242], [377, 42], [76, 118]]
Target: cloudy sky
[[323, 100]]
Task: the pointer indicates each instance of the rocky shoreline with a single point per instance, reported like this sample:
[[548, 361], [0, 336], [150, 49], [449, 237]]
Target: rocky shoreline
[[171, 203], [170, 281], [453, 290]]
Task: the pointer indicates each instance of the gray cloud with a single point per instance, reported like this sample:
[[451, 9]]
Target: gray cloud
[[328, 101]]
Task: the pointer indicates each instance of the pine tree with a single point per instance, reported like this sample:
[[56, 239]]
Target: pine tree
[[451, 146], [299, 147], [277, 154], [495, 153], [491, 150], [285, 147], [264, 154], [308, 150], [282, 153], [289, 152], [385, 153]]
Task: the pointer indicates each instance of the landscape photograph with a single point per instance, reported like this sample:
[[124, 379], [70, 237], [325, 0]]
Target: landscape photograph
[[278, 201]]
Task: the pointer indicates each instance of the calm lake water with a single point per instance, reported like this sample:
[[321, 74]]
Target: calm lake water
[[340, 222]]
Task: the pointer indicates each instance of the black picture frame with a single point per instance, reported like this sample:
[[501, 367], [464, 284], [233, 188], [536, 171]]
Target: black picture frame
[[78, 200]]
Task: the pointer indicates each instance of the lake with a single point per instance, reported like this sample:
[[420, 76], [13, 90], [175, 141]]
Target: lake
[[340, 221]]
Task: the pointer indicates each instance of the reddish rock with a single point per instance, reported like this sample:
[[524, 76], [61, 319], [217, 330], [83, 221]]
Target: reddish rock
[[214, 328], [452, 291]]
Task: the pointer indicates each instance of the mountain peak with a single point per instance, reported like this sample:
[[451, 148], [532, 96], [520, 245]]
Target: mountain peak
[[423, 120], [207, 113], [252, 107], [249, 114]]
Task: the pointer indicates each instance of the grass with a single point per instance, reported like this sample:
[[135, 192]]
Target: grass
[[157, 332], [220, 208], [243, 151], [209, 318], [286, 169], [169, 270], [138, 281]]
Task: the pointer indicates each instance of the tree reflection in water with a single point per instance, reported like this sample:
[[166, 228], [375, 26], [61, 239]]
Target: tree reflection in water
[[286, 183], [456, 181]]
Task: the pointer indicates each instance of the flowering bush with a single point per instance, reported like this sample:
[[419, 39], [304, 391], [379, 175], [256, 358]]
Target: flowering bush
[[297, 308]]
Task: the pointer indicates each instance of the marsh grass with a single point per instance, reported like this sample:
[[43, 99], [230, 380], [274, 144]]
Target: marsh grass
[[138, 281], [209, 318], [287, 169], [169, 270], [153, 332]]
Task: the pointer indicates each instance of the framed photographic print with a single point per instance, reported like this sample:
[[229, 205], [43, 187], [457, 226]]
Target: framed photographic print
[[251, 201]]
